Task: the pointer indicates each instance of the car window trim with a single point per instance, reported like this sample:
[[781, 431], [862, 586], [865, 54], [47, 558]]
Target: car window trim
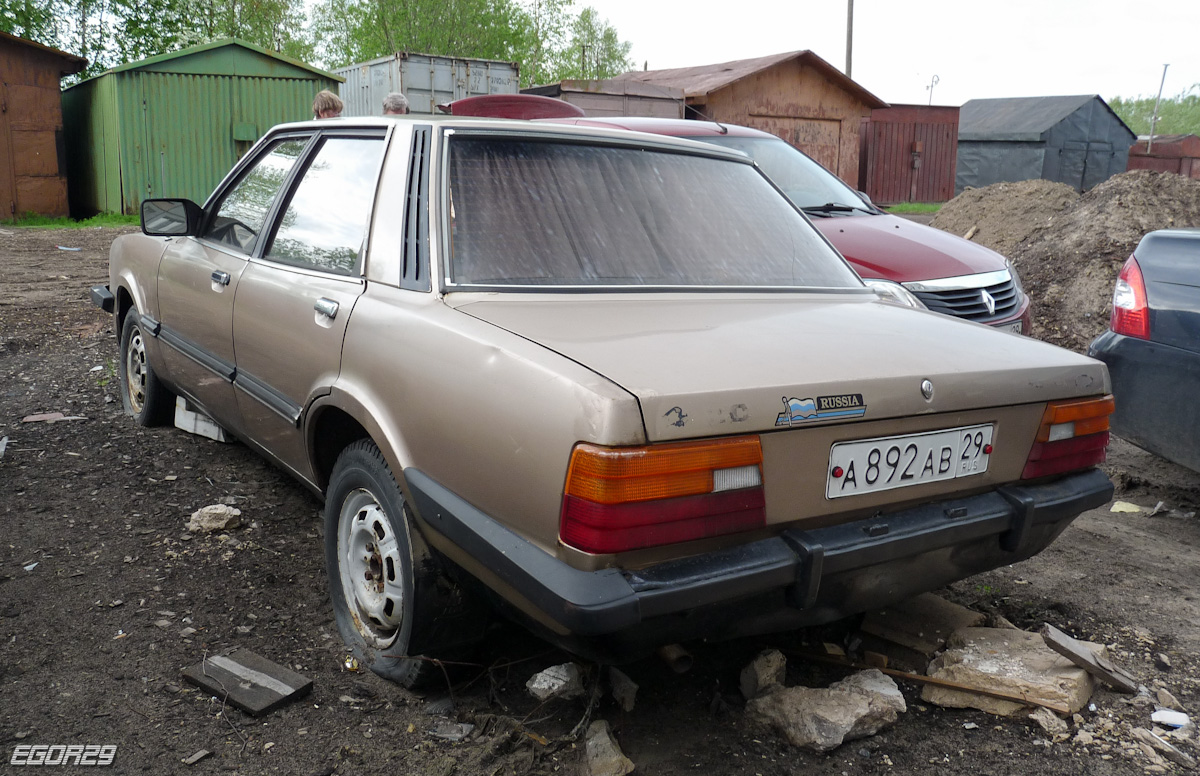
[[238, 174], [415, 270], [279, 205]]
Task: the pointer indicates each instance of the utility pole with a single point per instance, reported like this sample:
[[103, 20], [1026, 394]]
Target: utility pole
[[849, 34], [932, 83], [1154, 118]]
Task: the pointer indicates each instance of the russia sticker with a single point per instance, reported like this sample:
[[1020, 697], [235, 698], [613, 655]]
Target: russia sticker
[[843, 405]]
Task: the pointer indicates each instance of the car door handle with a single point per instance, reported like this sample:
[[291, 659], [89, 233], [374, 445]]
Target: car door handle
[[220, 278], [326, 307]]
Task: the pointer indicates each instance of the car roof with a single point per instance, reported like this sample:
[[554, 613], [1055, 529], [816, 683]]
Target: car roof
[[670, 127], [598, 128]]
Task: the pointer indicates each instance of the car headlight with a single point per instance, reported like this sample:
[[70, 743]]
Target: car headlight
[[1016, 279], [894, 293]]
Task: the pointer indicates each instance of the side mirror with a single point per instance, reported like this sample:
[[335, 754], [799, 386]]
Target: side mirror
[[865, 198], [170, 217]]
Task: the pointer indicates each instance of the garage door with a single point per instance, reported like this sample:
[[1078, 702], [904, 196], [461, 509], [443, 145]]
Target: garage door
[[819, 138]]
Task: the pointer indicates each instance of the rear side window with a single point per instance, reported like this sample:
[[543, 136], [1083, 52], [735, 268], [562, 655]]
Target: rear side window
[[540, 213], [243, 210], [325, 222]]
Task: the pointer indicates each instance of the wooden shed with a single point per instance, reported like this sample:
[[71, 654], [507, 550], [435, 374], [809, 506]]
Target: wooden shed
[[908, 154], [32, 166], [1169, 153], [173, 125], [797, 96], [616, 98]]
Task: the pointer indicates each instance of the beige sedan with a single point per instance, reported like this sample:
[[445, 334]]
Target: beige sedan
[[617, 382]]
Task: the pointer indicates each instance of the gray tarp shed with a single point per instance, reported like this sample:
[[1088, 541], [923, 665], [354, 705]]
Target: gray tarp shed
[[1075, 140]]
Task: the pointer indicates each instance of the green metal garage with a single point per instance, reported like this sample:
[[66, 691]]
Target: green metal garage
[[173, 125]]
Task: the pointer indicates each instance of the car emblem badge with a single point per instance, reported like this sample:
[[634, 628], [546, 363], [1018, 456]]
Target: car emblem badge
[[989, 302], [927, 389]]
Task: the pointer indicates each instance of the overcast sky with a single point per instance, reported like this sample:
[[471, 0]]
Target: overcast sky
[[1003, 48]]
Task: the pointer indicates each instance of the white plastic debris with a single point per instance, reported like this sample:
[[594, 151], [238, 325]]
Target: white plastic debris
[[1170, 718], [1125, 506]]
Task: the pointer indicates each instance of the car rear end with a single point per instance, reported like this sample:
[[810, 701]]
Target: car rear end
[[1152, 347]]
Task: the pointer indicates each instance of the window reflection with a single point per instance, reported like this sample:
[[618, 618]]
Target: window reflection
[[243, 212], [326, 220]]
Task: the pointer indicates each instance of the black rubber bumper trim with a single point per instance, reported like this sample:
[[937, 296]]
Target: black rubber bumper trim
[[103, 298], [593, 603]]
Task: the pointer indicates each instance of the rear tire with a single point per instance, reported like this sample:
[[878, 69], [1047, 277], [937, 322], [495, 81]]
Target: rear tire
[[142, 394], [391, 601]]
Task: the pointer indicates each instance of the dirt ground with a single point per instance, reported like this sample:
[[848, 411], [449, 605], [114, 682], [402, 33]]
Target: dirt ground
[[105, 598]]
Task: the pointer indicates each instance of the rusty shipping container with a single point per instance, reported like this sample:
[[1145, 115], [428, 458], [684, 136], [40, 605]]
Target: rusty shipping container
[[1169, 153], [32, 164], [909, 153], [425, 79]]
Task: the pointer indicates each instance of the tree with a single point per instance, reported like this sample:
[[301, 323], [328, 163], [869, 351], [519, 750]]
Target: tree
[[593, 51], [30, 19], [1178, 115]]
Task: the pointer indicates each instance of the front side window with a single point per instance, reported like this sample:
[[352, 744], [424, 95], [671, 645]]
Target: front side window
[[243, 211], [325, 222], [538, 213]]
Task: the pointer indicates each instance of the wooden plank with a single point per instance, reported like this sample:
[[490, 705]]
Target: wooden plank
[[249, 682], [1085, 657]]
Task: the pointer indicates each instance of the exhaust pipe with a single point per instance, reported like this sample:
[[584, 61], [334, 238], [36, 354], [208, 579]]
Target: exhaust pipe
[[678, 658]]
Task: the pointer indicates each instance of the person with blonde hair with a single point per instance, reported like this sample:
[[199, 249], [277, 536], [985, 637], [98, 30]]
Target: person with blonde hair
[[327, 105]]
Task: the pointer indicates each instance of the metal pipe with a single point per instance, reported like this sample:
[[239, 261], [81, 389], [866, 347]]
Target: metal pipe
[[1154, 117], [675, 656]]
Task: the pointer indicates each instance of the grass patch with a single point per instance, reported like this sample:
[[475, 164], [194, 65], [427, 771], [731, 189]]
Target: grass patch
[[914, 207], [44, 222]]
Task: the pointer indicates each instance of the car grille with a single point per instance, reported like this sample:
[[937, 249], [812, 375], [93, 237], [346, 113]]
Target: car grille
[[969, 303]]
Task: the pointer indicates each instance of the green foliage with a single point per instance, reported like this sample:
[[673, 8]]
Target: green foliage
[[914, 207], [30, 19], [593, 51], [44, 222], [1178, 115]]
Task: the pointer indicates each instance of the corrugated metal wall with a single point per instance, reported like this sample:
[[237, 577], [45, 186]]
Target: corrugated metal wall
[[136, 134], [911, 153], [426, 80]]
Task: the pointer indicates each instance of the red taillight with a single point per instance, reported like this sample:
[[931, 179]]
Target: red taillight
[[618, 499], [1130, 312], [1073, 435]]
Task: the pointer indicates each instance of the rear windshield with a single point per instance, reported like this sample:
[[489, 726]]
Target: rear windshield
[[538, 213]]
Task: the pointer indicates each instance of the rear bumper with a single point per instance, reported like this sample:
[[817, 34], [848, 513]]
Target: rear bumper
[[1154, 385], [797, 579]]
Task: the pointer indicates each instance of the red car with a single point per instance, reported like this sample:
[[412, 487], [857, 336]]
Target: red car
[[906, 262]]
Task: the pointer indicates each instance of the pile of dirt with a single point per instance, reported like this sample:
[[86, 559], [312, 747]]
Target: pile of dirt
[[1069, 249], [1004, 214]]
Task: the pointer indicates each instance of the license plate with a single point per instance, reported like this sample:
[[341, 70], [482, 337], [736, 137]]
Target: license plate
[[872, 465], [1014, 327]]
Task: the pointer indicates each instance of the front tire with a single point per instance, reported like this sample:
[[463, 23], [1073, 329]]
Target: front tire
[[142, 394], [391, 602]]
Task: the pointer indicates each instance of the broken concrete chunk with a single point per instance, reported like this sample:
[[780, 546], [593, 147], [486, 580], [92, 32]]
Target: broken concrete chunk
[[561, 681], [1049, 721], [1170, 718], [763, 673], [922, 623], [624, 689], [215, 517], [604, 756], [822, 719], [1014, 663]]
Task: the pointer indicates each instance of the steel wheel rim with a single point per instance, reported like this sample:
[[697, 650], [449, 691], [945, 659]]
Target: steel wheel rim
[[369, 564], [135, 370]]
